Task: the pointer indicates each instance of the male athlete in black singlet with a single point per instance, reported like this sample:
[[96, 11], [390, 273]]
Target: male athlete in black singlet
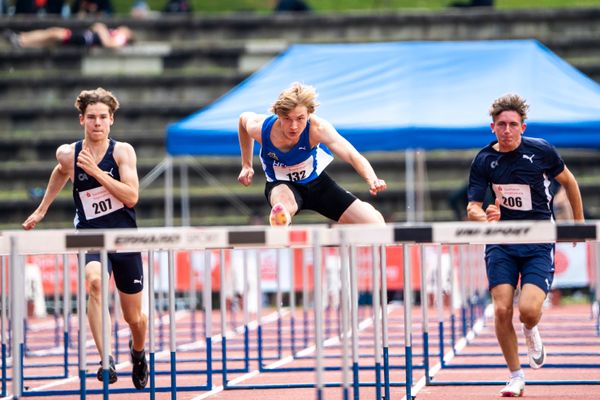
[[105, 189]]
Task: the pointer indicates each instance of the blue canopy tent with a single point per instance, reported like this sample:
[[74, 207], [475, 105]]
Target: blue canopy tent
[[408, 95], [394, 96]]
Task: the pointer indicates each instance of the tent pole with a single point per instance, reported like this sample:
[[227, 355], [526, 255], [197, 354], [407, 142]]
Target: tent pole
[[185, 193], [420, 185], [410, 185], [169, 191]]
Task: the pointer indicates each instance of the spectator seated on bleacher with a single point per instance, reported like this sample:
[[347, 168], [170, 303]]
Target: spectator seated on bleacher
[[97, 35]]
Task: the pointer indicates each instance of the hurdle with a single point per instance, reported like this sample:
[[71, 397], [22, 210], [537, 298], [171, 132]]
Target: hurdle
[[315, 237]]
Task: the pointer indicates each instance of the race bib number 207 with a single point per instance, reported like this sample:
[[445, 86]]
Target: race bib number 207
[[98, 202]]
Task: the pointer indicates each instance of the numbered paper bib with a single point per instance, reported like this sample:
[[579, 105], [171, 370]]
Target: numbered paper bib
[[514, 196], [98, 202], [294, 173]]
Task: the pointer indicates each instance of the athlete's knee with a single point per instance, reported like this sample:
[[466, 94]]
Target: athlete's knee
[[503, 313], [529, 314], [135, 318], [361, 212], [95, 287], [93, 276], [377, 216]]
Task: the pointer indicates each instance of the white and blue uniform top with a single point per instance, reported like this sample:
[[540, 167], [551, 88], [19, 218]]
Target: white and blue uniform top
[[301, 164], [520, 178], [95, 206]]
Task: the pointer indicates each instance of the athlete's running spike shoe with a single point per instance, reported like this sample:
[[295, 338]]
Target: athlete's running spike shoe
[[112, 371], [535, 348], [279, 216], [514, 388], [139, 372]]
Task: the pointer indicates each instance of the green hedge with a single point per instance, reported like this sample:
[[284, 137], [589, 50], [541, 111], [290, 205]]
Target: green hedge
[[264, 6]]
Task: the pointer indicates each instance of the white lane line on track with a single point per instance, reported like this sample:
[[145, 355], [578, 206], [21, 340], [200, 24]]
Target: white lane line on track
[[161, 355], [304, 352], [461, 344], [123, 332]]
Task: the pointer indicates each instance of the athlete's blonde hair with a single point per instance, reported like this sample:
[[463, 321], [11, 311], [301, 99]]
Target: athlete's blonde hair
[[509, 102], [294, 96], [99, 95]]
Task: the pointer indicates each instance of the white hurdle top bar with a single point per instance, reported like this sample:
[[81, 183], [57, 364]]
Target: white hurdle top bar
[[182, 238]]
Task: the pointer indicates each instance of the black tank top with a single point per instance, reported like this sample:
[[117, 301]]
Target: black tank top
[[95, 207]]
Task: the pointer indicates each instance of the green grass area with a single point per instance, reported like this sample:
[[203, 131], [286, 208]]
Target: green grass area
[[264, 6]]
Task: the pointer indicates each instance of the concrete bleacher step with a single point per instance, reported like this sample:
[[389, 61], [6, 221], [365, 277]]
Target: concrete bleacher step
[[167, 89], [131, 116], [209, 201], [180, 64]]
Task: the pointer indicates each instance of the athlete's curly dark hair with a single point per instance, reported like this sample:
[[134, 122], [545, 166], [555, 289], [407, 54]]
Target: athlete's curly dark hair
[[100, 95], [510, 102]]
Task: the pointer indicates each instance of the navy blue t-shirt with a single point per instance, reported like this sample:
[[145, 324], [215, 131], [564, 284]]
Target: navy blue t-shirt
[[520, 178], [95, 206]]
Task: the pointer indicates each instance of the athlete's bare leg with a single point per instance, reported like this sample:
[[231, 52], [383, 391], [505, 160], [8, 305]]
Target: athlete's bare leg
[[361, 212]]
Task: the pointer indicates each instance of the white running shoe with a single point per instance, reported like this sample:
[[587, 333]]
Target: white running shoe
[[514, 388], [279, 216], [535, 348]]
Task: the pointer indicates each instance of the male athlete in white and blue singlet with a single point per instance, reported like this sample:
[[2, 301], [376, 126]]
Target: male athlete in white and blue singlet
[[296, 146], [519, 171]]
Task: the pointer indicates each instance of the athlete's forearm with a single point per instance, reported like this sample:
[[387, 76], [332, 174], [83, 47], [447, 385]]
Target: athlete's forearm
[[475, 212], [125, 193], [363, 167], [246, 144], [574, 196], [58, 180]]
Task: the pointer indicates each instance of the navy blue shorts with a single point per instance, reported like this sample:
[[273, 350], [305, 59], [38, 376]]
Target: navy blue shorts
[[322, 195], [534, 263], [128, 270]]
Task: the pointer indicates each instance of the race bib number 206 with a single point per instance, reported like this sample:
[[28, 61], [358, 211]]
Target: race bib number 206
[[98, 202], [514, 196]]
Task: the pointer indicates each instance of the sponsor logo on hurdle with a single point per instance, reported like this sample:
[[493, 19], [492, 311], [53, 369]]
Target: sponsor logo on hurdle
[[493, 231], [151, 238]]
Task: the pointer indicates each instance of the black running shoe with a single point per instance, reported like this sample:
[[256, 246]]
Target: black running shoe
[[139, 372], [112, 372], [12, 38]]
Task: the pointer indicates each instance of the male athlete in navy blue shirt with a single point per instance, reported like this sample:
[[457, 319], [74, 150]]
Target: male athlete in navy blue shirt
[[105, 189], [519, 171], [296, 146]]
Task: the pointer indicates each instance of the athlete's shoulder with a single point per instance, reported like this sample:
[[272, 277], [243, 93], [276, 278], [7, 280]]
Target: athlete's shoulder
[[534, 142], [123, 149], [65, 152], [250, 117], [485, 152]]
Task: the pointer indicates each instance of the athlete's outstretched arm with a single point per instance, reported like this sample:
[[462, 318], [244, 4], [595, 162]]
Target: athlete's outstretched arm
[[58, 179], [323, 132], [568, 181], [249, 129], [127, 189]]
